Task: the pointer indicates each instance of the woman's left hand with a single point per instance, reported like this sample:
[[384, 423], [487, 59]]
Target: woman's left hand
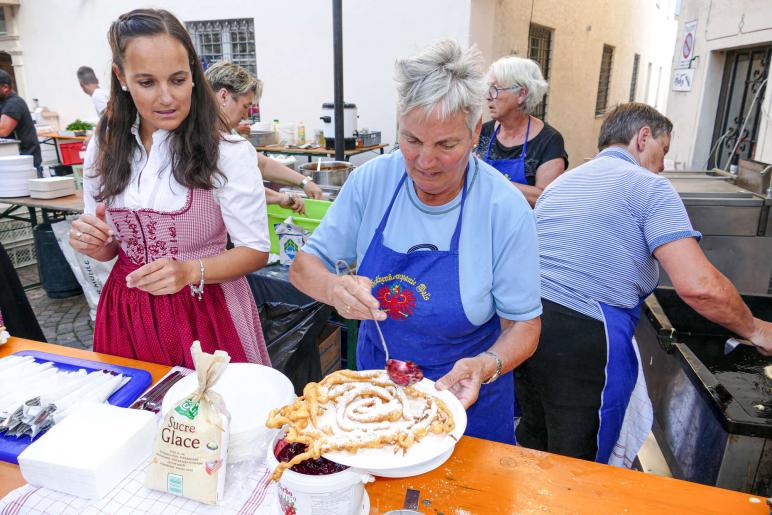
[[464, 380], [164, 276], [313, 191]]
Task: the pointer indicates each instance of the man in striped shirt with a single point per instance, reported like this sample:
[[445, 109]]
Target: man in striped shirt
[[604, 227]]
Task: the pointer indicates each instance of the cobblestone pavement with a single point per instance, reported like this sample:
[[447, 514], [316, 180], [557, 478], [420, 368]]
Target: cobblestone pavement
[[64, 321]]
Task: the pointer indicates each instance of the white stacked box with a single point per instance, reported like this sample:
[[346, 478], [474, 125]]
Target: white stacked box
[[51, 187], [89, 452], [15, 172]]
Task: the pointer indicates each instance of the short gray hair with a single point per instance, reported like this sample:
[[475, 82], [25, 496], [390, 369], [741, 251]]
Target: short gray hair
[[442, 79], [86, 75], [624, 121], [518, 71], [234, 78]]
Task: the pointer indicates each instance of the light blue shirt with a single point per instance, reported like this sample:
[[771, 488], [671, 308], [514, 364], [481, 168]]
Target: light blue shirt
[[599, 225], [498, 259]]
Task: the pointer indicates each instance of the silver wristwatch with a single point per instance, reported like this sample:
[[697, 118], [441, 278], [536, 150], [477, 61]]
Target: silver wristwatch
[[499, 364], [305, 181]]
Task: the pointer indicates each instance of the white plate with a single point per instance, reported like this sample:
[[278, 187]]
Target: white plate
[[416, 470], [250, 392], [388, 463]]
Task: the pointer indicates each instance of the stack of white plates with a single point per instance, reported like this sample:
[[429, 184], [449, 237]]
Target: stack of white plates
[[250, 392], [15, 173]]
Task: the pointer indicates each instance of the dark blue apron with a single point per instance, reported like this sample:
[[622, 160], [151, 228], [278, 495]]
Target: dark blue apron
[[513, 169], [426, 322], [621, 371]]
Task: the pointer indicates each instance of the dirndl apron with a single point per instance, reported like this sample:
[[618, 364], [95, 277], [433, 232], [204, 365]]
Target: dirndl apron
[[426, 322], [161, 328], [513, 169]]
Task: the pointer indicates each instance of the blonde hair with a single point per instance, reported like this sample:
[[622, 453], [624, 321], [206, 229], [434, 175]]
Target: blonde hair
[[234, 78], [444, 79], [518, 71]]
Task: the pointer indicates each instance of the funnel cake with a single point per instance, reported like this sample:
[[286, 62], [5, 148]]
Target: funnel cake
[[349, 410]]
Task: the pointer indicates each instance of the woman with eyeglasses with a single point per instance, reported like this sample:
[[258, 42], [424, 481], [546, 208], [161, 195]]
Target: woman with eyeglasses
[[165, 183], [528, 151]]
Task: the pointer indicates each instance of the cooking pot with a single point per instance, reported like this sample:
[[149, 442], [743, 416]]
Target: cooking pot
[[262, 138], [331, 173]]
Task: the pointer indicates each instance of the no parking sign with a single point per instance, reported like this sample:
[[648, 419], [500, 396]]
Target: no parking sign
[[686, 50]]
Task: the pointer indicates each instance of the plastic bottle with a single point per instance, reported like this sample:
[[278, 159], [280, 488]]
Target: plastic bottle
[[276, 130], [301, 134], [37, 111]]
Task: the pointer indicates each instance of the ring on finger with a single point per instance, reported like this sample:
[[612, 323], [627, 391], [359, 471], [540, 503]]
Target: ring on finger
[[78, 235]]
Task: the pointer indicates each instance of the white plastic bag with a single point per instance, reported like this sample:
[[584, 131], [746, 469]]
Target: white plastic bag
[[90, 273]]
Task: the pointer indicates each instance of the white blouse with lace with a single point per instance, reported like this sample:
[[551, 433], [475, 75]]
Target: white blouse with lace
[[152, 186]]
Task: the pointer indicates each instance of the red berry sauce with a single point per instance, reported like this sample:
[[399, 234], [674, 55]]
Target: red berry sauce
[[285, 451]]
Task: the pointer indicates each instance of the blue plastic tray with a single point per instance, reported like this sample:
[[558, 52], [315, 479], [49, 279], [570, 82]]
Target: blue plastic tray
[[11, 447]]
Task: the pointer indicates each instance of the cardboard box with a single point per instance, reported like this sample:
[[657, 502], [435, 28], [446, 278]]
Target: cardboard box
[[329, 349]]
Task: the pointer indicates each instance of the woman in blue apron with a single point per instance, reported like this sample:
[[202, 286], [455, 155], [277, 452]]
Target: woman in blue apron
[[436, 233], [436, 346], [528, 151]]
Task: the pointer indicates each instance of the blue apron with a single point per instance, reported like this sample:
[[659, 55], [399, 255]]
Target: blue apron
[[621, 376], [426, 322], [619, 439], [513, 169]]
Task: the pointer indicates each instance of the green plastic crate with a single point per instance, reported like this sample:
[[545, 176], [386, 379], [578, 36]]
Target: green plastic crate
[[315, 211]]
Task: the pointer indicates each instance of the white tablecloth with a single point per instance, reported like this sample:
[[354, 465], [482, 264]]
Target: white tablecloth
[[247, 491]]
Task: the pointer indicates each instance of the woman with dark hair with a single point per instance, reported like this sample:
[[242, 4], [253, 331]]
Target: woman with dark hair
[[164, 185]]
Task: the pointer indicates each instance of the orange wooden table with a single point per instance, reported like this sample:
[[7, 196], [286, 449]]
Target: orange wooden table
[[486, 477]]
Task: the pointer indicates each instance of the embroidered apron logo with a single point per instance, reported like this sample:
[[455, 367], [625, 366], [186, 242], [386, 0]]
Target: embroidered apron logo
[[398, 294]]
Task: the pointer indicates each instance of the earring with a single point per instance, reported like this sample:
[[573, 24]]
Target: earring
[[193, 84], [124, 88]]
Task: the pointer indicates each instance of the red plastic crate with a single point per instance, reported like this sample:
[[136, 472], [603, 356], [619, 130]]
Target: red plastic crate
[[70, 153]]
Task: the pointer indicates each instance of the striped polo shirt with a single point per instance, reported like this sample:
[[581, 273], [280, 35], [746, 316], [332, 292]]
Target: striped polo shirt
[[598, 227]]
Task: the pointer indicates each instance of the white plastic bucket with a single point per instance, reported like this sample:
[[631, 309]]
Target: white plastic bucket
[[340, 493]]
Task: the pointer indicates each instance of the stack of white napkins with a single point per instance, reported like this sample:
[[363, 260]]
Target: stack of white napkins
[[89, 452], [51, 187]]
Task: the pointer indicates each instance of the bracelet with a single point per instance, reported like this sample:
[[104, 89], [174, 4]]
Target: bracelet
[[499, 365], [198, 290]]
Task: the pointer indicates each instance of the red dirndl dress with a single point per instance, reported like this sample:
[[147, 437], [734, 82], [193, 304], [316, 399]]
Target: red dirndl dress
[[135, 324]]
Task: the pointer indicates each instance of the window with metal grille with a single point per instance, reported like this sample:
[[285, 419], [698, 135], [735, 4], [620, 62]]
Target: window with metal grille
[[225, 40], [634, 80], [540, 50], [604, 79]]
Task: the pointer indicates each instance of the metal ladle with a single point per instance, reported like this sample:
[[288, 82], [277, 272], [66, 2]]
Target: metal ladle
[[402, 373]]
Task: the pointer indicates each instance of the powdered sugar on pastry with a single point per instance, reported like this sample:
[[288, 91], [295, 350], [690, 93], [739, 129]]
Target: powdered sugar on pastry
[[349, 410]]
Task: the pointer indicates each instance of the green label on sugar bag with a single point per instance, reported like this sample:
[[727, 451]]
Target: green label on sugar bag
[[188, 409]]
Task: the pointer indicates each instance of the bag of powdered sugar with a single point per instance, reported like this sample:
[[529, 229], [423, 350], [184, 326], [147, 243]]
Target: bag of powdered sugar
[[191, 447]]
